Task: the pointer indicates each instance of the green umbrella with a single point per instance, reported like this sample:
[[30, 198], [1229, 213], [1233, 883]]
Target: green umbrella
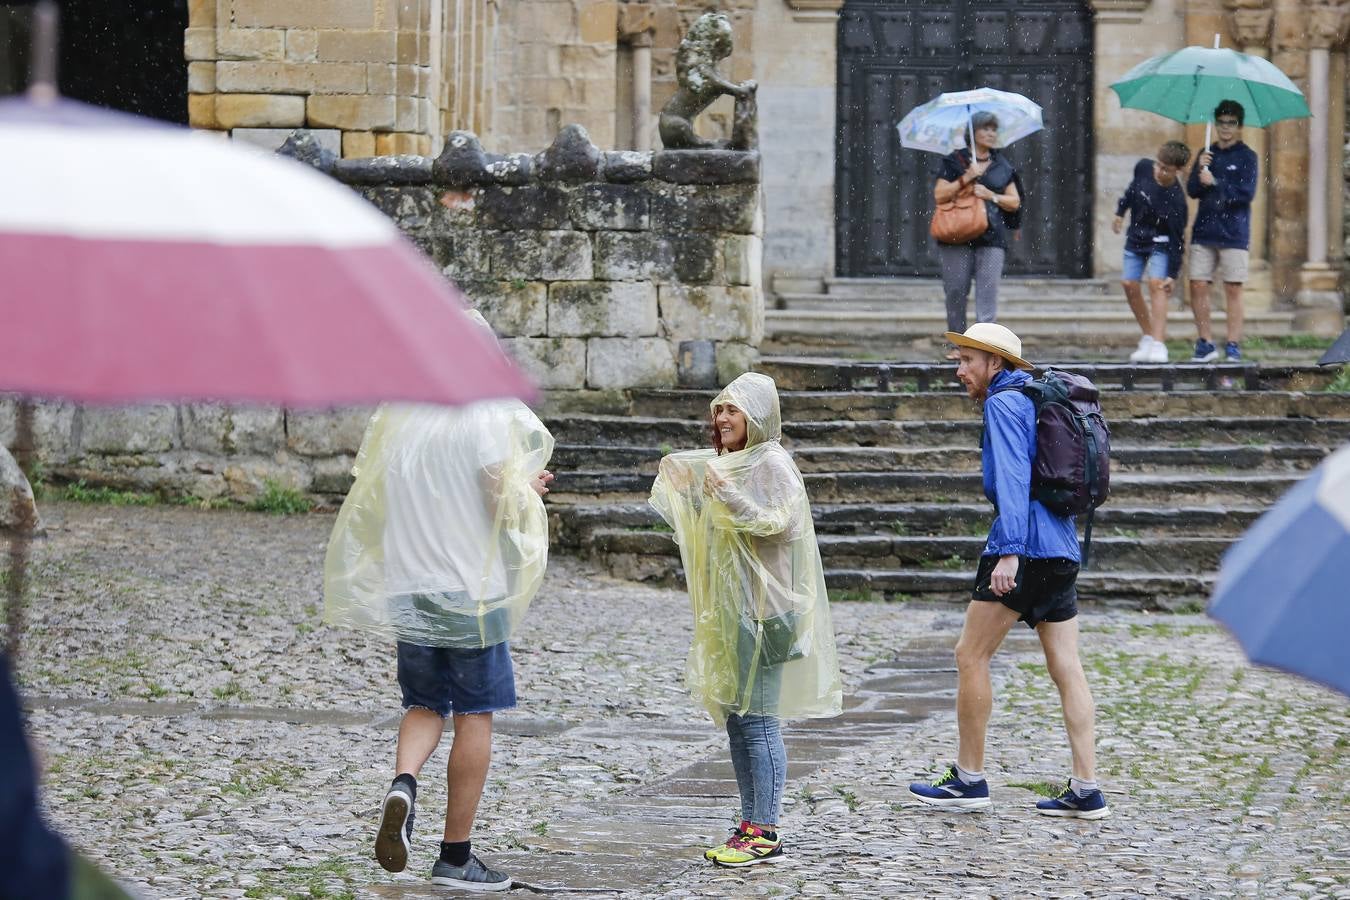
[[1187, 84]]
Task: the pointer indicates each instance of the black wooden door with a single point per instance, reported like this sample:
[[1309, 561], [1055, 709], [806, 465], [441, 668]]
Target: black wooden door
[[897, 54]]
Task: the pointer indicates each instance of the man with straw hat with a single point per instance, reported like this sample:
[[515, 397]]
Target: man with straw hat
[[1027, 572]]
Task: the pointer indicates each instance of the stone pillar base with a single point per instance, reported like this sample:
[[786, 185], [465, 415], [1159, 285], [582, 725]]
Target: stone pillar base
[[1320, 307]]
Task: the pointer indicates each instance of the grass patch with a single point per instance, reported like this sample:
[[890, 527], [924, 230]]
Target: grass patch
[[1340, 384], [280, 500], [1043, 788], [80, 492], [853, 595], [850, 799]]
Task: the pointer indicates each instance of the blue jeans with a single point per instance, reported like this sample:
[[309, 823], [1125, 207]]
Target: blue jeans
[[757, 752], [1134, 264]]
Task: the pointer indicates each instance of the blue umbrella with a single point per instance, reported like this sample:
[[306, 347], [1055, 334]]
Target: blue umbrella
[[1284, 588], [942, 124]]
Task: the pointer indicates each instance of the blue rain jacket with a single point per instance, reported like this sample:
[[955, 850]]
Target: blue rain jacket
[[1224, 217], [1022, 526]]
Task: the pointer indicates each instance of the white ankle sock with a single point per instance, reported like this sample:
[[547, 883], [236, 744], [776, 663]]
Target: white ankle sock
[[1080, 787], [969, 777]]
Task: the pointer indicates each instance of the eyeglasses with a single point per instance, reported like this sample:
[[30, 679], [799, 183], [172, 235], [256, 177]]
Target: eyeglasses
[[1227, 123]]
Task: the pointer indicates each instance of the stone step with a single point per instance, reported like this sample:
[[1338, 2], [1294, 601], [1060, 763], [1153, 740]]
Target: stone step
[[950, 553], [681, 433], [1124, 458], [1134, 590], [932, 299], [573, 523], [857, 405], [1160, 489], [839, 374], [1010, 287]]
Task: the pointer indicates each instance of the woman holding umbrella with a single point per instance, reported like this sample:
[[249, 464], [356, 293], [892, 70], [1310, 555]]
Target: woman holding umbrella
[[980, 260]]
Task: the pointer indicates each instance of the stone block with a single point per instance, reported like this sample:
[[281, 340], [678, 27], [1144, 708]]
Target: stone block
[[357, 46], [201, 13], [411, 207], [610, 207], [697, 258], [381, 78], [327, 433], [18, 512], [725, 208], [553, 363], [527, 206], [332, 476], [706, 166], [327, 139], [392, 171], [734, 360], [202, 111], [251, 43], [218, 428], [629, 362], [357, 112], [405, 114], [514, 169], [302, 45], [627, 166], [461, 253], [713, 312], [199, 44], [311, 13], [406, 51], [53, 428], [290, 77], [743, 259], [542, 255], [358, 144], [302, 146], [602, 309], [571, 157], [407, 81], [395, 143], [151, 428], [598, 22], [629, 255], [259, 110], [512, 308], [201, 78]]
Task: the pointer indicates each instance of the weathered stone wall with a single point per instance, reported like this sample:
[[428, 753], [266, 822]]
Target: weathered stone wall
[[594, 267]]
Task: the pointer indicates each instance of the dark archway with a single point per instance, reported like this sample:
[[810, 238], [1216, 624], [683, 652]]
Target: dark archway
[[896, 54]]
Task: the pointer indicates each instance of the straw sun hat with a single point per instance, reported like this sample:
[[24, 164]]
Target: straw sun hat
[[992, 338]]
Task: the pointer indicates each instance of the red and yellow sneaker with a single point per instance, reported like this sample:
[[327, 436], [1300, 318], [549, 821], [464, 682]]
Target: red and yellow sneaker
[[736, 832], [750, 849]]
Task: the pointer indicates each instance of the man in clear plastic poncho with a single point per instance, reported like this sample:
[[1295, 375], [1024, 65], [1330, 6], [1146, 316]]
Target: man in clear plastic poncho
[[440, 545], [763, 647]]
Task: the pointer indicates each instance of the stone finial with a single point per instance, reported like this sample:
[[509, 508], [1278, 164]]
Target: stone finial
[[302, 146], [1250, 20], [699, 84], [1328, 22], [637, 21], [462, 160], [571, 157]]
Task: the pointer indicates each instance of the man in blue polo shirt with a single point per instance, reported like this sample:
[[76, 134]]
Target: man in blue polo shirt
[[1028, 572], [1223, 179]]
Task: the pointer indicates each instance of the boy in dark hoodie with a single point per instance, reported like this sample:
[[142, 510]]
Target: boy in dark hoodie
[[1224, 181], [1154, 243]]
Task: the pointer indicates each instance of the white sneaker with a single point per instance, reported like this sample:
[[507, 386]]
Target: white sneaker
[[1157, 353], [1145, 348]]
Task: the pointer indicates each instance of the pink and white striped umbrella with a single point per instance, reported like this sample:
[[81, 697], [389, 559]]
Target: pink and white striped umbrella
[[144, 261]]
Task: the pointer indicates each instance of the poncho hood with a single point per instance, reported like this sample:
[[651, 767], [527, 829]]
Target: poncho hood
[[755, 395]]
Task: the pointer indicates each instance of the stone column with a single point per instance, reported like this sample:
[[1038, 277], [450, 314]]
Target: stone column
[[1320, 308], [1250, 24], [1287, 148], [636, 23]]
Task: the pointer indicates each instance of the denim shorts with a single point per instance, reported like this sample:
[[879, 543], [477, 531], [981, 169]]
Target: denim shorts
[[448, 679], [1135, 263]]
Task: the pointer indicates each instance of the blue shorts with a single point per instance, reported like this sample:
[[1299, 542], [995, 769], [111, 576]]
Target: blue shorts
[[448, 679], [1134, 265]]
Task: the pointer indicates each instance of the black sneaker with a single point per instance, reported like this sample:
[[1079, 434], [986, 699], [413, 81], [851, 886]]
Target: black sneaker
[[472, 876], [394, 839]]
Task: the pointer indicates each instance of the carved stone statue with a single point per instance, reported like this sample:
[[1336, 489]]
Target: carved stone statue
[[707, 43]]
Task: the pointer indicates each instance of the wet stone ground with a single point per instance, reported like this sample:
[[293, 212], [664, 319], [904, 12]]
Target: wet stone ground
[[205, 735]]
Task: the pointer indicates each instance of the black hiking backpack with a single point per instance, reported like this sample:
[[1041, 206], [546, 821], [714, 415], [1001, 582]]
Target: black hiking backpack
[[1072, 472]]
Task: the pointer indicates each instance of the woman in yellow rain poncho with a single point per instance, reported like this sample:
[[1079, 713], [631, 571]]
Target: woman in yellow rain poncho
[[440, 545], [763, 646]]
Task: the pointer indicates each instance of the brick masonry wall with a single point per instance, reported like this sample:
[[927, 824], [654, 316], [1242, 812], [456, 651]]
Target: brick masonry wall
[[594, 268]]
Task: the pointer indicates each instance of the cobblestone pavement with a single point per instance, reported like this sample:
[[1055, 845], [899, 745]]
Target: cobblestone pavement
[[205, 735]]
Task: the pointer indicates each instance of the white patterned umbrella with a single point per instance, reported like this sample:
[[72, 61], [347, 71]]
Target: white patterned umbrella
[[941, 124]]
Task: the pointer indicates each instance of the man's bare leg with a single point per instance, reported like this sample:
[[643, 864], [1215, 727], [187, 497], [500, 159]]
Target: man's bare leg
[[987, 624], [418, 736], [1232, 293], [1200, 309], [466, 773], [1059, 640]]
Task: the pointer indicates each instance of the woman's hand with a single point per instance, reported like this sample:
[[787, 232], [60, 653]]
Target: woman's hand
[[976, 170], [540, 482], [713, 483], [984, 193], [1117, 223]]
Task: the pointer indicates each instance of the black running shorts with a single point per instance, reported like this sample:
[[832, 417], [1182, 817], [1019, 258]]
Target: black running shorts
[[1046, 589]]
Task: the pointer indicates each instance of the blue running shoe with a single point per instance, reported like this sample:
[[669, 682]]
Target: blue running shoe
[[1232, 351], [1069, 804], [1204, 352], [950, 792]]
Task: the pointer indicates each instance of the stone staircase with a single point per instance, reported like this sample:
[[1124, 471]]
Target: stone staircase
[[1055, 317], [889, 454]]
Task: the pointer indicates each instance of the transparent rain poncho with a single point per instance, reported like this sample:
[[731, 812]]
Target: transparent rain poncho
[[441, 540], [763, 642]]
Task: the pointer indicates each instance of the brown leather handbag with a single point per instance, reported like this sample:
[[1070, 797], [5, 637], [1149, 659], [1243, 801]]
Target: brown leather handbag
[[961, 219]]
